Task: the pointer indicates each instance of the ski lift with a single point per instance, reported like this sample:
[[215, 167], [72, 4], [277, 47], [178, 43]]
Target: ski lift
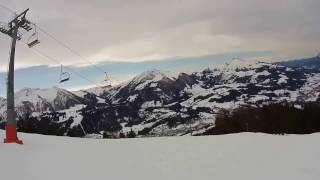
[[64, 76], [106, 80], [33, 39]]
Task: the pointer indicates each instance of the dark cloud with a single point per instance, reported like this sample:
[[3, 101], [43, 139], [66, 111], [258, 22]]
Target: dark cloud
[[136, 30]]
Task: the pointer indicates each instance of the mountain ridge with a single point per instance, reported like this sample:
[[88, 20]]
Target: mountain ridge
[[157, 104]]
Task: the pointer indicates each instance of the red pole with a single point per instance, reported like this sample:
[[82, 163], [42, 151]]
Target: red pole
[[11, 135]]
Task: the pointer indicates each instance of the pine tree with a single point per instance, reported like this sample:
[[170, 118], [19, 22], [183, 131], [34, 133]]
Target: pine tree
[[131, 134]]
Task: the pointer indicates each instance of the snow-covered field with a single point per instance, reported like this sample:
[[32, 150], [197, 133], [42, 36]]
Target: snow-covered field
[[238, 156]]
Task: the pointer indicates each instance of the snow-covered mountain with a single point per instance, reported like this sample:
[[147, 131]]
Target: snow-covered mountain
[[190, 102], [155, 103], [29, 100]]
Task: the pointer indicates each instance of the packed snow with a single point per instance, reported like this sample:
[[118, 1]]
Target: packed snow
[[238, 156]]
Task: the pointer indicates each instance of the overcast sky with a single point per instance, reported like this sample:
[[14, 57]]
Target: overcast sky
[[151, 30]]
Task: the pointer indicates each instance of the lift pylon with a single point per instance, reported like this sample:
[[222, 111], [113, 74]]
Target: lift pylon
[[12, 30]]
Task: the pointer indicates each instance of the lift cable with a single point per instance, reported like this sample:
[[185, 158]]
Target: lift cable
[[66, 67], [62, 44], [70, 49], [8, 9]]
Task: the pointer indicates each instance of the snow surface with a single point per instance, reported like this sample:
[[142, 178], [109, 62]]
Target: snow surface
[[132, 98], [73, 112], [239, 156], [283, 79]]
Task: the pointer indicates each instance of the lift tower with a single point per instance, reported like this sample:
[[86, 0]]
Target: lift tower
[[12, 30]]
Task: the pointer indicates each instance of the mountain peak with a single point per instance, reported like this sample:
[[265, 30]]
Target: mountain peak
[[146, 78], [150, 75], [39, 100], [237, 63], [35, 95]]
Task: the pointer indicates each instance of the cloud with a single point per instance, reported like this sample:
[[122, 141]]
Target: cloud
[[188, 40], [144, 30]]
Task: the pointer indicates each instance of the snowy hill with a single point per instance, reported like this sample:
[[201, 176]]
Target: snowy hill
[[155, 103], [244, 156]]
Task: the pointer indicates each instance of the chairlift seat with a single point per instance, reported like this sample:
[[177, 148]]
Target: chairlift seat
[[33, 43], [64, 76], [64, 80]]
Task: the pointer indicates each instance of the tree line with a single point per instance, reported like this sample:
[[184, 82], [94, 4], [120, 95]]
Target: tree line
[[280, 118]]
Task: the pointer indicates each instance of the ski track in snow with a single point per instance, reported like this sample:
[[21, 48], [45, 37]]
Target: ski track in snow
[[238, 156]]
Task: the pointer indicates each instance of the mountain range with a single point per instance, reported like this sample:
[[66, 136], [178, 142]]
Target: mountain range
[[155, 103]]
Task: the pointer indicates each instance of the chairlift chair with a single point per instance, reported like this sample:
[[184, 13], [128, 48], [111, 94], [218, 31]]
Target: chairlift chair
[[64, 76], [33, 39]]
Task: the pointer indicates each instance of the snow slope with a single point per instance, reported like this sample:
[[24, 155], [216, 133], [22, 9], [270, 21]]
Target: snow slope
[[238, 156]]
